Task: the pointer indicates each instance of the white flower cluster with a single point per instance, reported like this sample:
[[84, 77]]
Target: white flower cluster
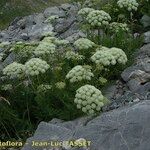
[[83, 43], [43, 88], [70, 55], [14, 70], [51, 19], [45, 49], [89, 99], [49, 39], [119, 55], [85, 11], [79, 73], [109, 57], [128, 4], [54, 40], [35, 66], [61, 42], [116, 27], [6, 87], [47, 34], [102, 80], [98, 18], [60, 85]]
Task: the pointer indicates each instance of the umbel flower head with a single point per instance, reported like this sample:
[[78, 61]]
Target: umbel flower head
[[60, 85], [116, 27], [61, 42], [89, 99], [79, 73], [35, 66], [109, 57], [103, 57], [48, 34], [119, 55], [83, 43], [85, 11], [14, 70], [43, 88], [70, 55], [128, 4], [45, 48], [98, 18], [7, 87]]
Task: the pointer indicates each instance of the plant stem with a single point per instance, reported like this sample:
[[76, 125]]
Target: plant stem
[[99, 37]]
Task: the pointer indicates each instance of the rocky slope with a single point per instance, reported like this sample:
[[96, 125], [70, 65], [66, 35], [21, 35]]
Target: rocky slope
[[9, 9], [121, 129]]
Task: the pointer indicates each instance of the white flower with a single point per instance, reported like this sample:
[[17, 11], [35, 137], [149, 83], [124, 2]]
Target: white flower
[[116, 27], [85, 11], [104, 58], [79, 73], [47, 34], [14, 70], [61, 42], [128, 4], [60, 85], [102, 80], [43, 88], [44, 49], [98, 18], [83, 43], [70, 55], [119, 55], [7, 87], [35, 66], [89, 99], [107, 57]]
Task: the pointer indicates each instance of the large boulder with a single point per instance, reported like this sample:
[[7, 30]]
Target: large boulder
[[121, 129]]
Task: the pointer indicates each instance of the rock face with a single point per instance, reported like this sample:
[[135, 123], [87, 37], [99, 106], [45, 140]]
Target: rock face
[[138, 75], [33, 27], [121, 129]]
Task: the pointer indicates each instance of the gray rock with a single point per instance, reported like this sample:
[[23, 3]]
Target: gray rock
[[145, 21], [144, 91], [36, 31], [146, 66], [53, 11], [66, 6], [75, 36], [10, 58], [126, 74], [25, 36], [48, 132], [1, 50], [134, 85], [121, 129], [147, 37]]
